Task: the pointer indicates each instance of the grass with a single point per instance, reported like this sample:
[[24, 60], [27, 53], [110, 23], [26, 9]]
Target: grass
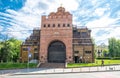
[[32, 65], [97, 63], [16, 65]]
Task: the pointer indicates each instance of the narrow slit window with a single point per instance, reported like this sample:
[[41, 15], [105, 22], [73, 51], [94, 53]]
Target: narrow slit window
[[58, 25], [48, 25], [63, 25], [53, 25], [68, 25], [44, 25]]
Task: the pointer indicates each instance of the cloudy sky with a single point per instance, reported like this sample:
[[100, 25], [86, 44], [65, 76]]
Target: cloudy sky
[[19, 17]]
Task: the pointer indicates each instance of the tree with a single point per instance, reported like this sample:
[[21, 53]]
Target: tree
[[105, 53], [118, 48], [9, 49], [4, 49], [15, 48], [114, 47]]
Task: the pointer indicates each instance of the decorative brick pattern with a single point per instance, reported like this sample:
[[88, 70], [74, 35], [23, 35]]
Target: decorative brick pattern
[[58, 26]]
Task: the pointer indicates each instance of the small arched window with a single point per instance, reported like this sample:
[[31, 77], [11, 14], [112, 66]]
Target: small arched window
[[53, 25], [58, 25], [44, 25], [63, 25], [68, 25], [48, 25]]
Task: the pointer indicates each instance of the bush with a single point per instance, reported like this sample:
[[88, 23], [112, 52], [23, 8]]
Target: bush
[[104, 58], [116, 58], [108, 58]]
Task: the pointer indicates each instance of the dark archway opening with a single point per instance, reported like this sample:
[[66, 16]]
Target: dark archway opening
[[76, 59], [56, 52]]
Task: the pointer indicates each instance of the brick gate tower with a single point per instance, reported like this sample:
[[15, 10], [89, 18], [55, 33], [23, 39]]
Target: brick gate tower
[[56, 37], [59, 41]]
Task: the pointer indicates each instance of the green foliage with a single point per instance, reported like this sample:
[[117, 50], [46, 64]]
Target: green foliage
[[105, 53], [105, 58], [108, 58], [9, 50], [114, 47], [15, 48], [4, 51], [115, 58], [16, 65], [97, 63]]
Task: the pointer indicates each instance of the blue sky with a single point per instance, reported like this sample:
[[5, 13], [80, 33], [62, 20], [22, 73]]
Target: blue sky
[[101, 16]]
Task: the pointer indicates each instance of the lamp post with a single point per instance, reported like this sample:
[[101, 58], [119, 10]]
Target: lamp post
[[81, 59], [29, 55], [85, 59], [88, 59]]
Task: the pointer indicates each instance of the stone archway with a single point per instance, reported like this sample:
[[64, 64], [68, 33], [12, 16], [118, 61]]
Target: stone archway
[[56, 52]]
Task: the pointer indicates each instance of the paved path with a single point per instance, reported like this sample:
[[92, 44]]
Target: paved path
[[61, 70], [115, 74]]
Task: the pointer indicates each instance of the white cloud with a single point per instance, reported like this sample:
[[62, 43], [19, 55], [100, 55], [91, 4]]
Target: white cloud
[[113, 32], [100, 11], [94, 2], [1, 28], [104, 21], [118, 14], [27, 20], [29, 16], [35, 6], [70, 5], [18, 31]]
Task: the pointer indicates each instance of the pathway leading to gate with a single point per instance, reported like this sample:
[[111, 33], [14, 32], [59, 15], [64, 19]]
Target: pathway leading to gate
[[60, 70], [115, 74]]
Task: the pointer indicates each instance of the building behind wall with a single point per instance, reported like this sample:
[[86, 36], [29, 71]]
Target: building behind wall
[[58, 41], [31, 45], [83, 48]]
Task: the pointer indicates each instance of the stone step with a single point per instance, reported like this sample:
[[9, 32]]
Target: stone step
[[52, 65]]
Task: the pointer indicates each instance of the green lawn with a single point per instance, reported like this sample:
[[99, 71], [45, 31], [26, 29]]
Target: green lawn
[[16, 65], [97, 63]]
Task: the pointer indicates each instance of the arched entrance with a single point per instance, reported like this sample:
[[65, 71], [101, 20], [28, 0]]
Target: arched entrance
[[56, 52]]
